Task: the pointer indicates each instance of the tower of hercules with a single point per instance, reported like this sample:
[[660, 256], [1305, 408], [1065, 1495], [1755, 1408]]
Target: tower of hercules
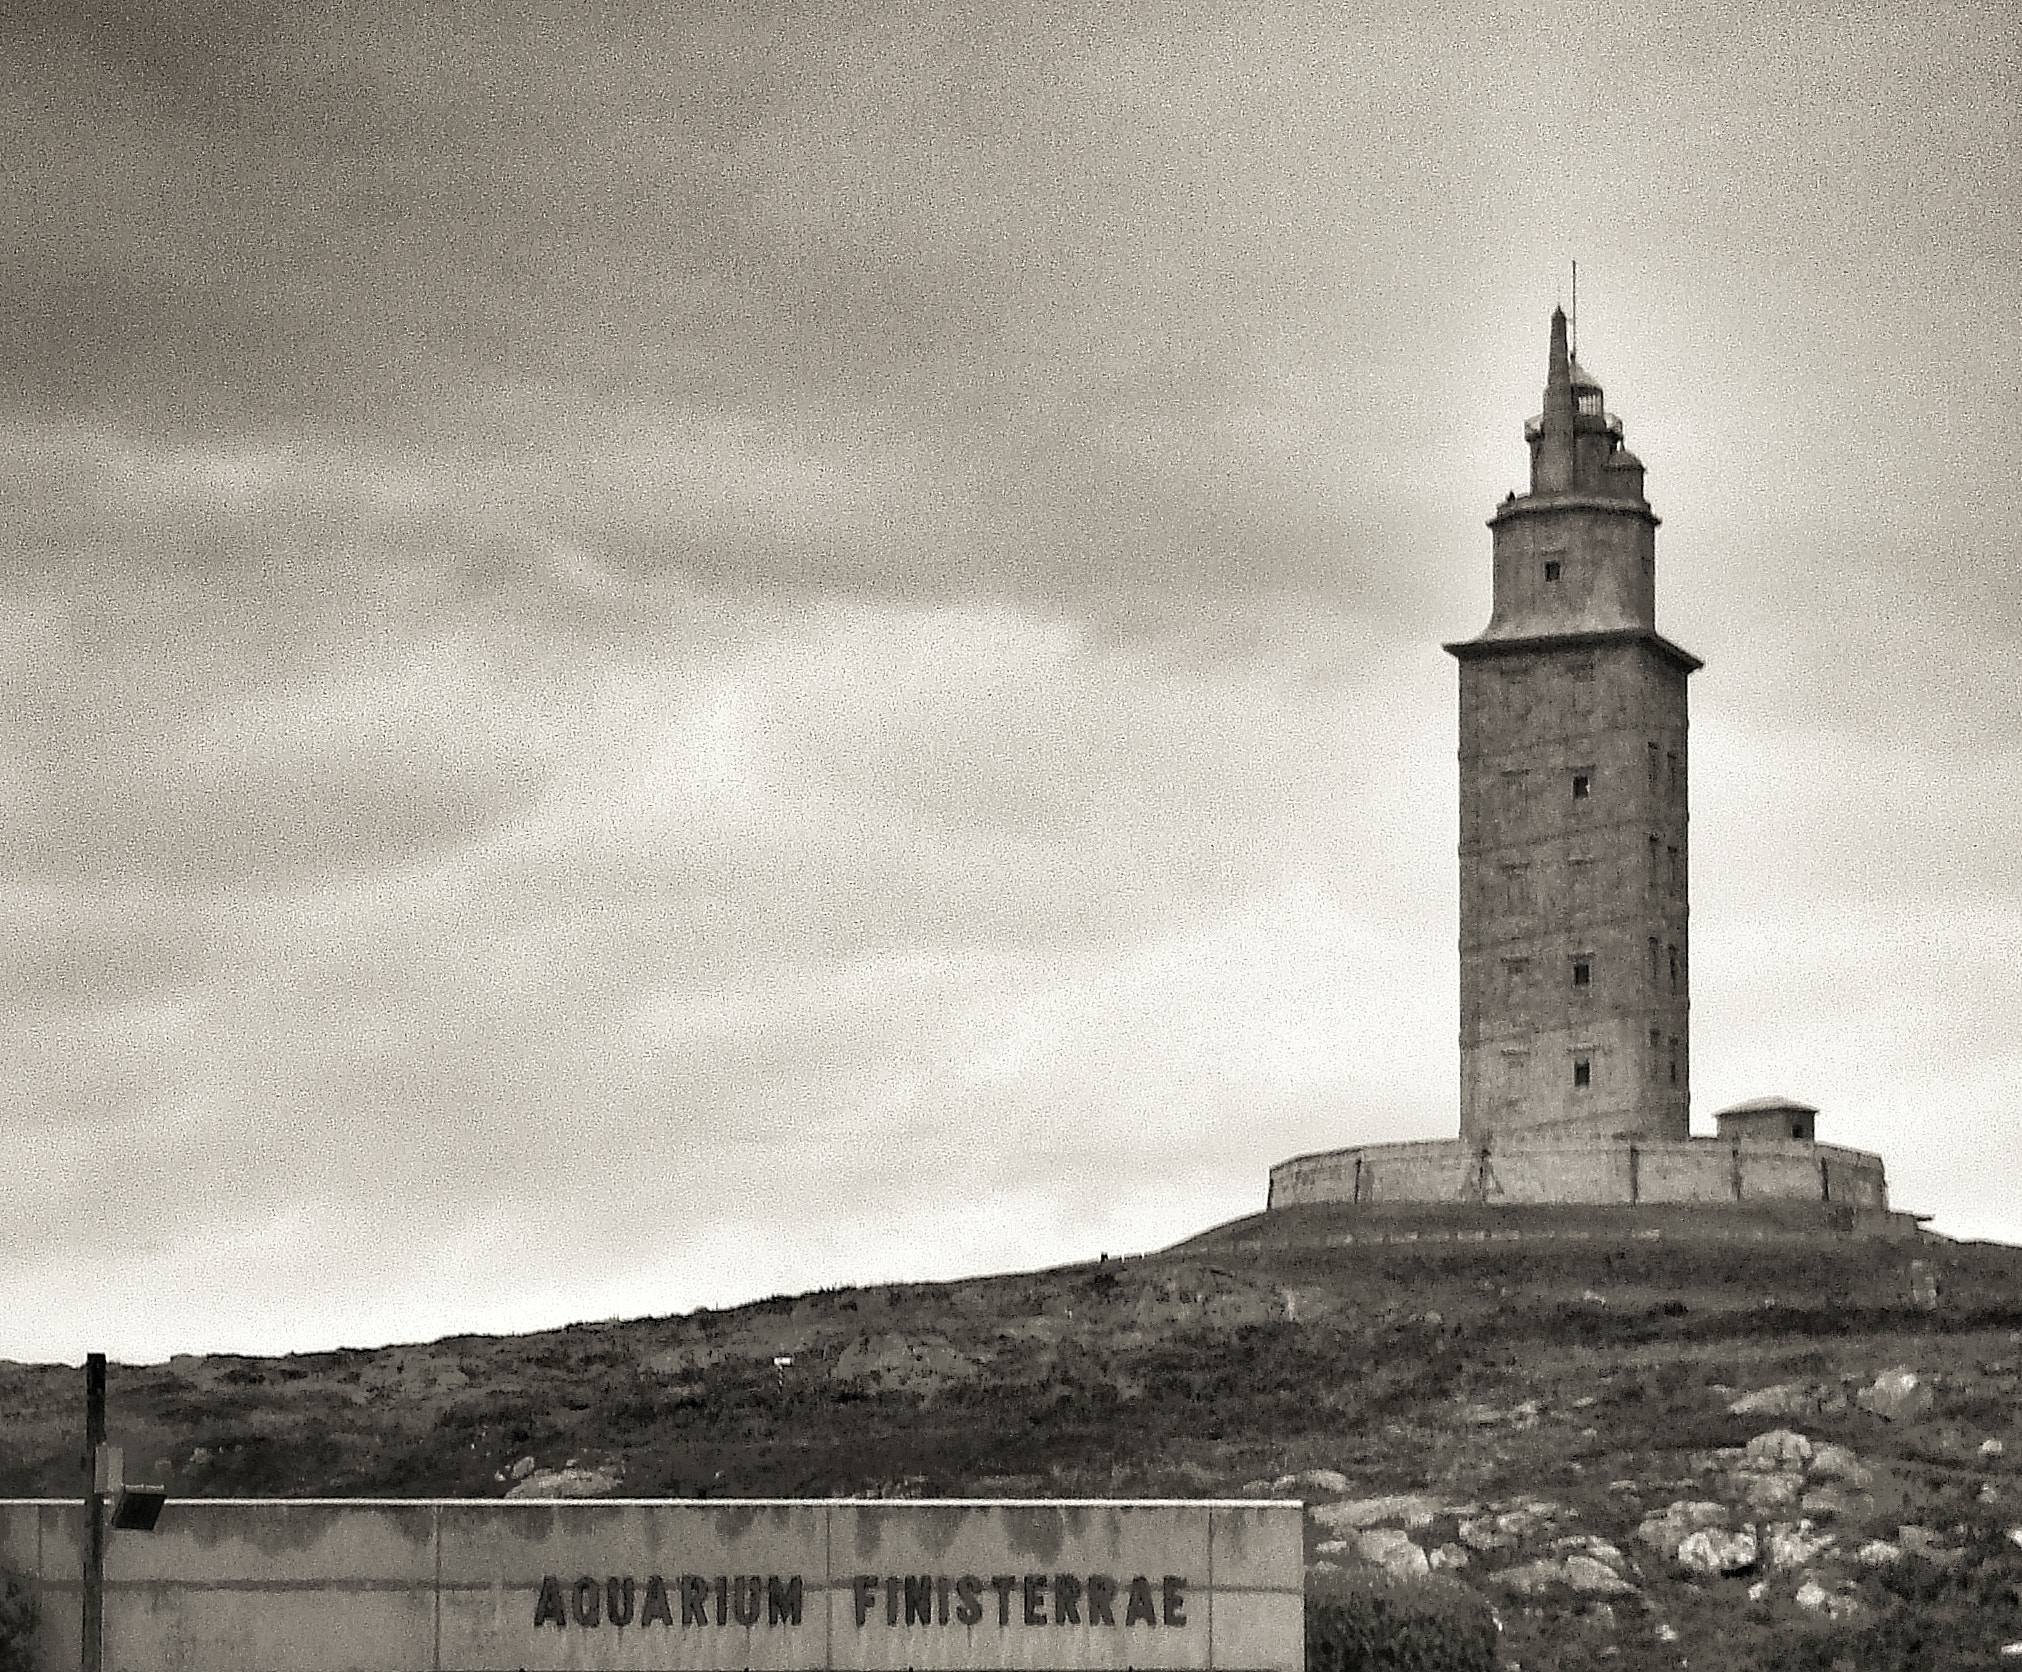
[[1574, 1019], [1575, 1037]]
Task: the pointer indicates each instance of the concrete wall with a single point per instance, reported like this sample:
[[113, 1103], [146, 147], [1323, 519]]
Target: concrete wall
[[1707, 1171], [455, 1586]]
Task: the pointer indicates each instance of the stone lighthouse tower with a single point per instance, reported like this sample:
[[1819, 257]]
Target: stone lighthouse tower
[[1574, 1018], [1575, 1037]]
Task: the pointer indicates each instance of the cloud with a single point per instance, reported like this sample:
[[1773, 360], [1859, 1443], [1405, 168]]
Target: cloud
[[663, 650]]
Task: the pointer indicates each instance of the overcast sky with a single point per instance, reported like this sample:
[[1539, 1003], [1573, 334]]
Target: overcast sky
[[655, 655]]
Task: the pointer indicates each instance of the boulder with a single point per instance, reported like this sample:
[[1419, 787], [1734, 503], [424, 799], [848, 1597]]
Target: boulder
[[1878, 1553], [1713, 1550], [1448, 1556], [1839, 1463], [1834, 1502], [1780, 1448], [521, 1469], [1481, 1533], [1667, 1529], [1594, 1578], [1394, 1552], [1786, 1399], [1410, 1509], [1589, 1545], [1533, 1578], [1897, 1395], [1528, 1517], [1798, 1546], [1925, 1545], [1815, 1598], [1991, 1448], [1331, 1481], [1769, 1494], [566, 1483]]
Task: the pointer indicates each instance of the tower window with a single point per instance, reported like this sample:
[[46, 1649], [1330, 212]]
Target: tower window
[[1654, 780], [1674, 1059], [1653, 974], [1553, 570], [1582, 786], [1674, 969], [1583, 973], [1583, 1071]]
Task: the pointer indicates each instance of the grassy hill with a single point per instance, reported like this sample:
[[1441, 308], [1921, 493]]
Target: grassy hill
[[1499, 1408]]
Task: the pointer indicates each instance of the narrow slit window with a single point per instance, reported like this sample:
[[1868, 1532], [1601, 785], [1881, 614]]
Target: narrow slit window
[[1553, 569], [1583, 973], [1655, 780], [1674, 968], [1583, 786], [1583, 1071]]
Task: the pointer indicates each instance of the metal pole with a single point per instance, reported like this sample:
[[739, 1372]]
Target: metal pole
[[94, 1513]]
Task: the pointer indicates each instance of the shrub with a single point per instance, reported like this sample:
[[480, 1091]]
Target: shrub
[[1381, 1625], [18, 1618]]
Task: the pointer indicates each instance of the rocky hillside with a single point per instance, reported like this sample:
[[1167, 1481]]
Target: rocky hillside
[[1643, 1453]]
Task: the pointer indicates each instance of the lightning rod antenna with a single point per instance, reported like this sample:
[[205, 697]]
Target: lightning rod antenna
[[1573, 317]]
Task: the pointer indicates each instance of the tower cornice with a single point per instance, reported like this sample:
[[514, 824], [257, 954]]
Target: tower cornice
[[1544, 504], [1466, 650]]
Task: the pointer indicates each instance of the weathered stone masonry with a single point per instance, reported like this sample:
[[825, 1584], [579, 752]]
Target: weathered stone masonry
[[1573, 947]]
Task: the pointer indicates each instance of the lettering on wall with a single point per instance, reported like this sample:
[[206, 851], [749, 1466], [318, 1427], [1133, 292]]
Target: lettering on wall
[[902, 1600]]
